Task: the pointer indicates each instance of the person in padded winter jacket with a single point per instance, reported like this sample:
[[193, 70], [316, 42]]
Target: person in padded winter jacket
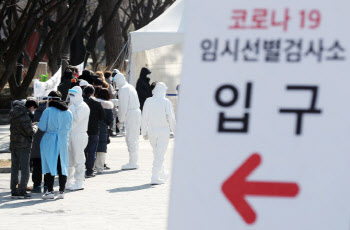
[[22, 130], [97, 115], [103, 97]]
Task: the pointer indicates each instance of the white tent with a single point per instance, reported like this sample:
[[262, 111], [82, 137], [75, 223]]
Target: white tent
[[158, 46]]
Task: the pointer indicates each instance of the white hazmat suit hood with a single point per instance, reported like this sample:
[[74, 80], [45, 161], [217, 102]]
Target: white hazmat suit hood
[[157, 120], [129, 112], [78, 139], [160, 90], [116, 71], [76, 95], [120, 80]]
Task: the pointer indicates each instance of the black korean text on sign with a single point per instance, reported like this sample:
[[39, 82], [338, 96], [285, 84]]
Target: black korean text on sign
[[300, 112], [224, 119], [210, 49], [336, 49], [272, 51]]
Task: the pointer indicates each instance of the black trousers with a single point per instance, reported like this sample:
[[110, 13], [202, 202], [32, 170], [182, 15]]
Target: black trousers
[[20, 159], [37, 175], [62, 179]]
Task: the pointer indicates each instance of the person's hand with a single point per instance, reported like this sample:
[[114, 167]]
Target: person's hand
[[145, 137], [35, 128], [34, 123]]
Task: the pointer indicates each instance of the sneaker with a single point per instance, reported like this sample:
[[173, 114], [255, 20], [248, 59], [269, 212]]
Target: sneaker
[[130, 166], [75, 187], [60, 195], [14, 195], [23, 195], [106, 167], [49, 195], [157, 182], [36, 190], [90, 175], [111, 133]]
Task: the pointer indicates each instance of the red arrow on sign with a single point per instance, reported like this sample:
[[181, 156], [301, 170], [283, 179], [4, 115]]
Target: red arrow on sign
[[237, 187]]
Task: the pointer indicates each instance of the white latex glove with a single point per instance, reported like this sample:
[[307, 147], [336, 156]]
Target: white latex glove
[[145, 137], [35, 128]]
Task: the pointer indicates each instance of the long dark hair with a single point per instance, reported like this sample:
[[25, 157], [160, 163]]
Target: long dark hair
[[103, 94]]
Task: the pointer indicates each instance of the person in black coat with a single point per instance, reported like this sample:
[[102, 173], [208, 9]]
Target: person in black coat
[[103, 97], [97, 114], [88, 76], [66, 83], [143, 88]]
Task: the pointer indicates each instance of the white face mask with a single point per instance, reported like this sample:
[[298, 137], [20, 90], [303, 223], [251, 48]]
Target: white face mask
[[33, 112]]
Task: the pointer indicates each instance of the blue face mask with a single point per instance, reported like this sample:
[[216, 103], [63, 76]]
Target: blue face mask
[[113, 78]]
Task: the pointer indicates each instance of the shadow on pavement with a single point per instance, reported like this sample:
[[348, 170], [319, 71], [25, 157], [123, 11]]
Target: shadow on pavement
[[4, 196], [23, 203], [111, 172], [130, 189]]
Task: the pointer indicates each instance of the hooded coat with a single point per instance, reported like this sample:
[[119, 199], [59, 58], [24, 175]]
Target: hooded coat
[[108, 121], [143, 87], [21, 127], [65, 85], [96, 114], [56, 121]]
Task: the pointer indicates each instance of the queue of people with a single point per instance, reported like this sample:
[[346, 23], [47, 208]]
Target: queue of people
[[67, 132]]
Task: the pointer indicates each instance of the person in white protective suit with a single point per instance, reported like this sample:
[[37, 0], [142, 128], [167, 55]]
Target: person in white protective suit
[[157, 120], [129, 112], [78, 139]]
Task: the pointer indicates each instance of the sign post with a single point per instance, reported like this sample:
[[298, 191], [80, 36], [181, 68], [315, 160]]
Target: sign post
[[263, 135]]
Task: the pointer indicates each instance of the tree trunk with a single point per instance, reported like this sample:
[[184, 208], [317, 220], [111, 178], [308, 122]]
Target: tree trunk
[[77, 49], [19, 70], [113, 32]]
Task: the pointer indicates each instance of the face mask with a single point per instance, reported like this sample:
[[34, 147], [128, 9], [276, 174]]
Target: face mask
[[33, 112]]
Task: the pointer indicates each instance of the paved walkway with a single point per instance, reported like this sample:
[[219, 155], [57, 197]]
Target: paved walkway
[[114, 200], [4, 139]]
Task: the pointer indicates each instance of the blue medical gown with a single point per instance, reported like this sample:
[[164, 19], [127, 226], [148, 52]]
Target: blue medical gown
[[56, 124]]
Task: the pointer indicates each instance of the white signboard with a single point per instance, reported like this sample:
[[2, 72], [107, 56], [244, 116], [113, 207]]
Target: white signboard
[[263, 135]]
